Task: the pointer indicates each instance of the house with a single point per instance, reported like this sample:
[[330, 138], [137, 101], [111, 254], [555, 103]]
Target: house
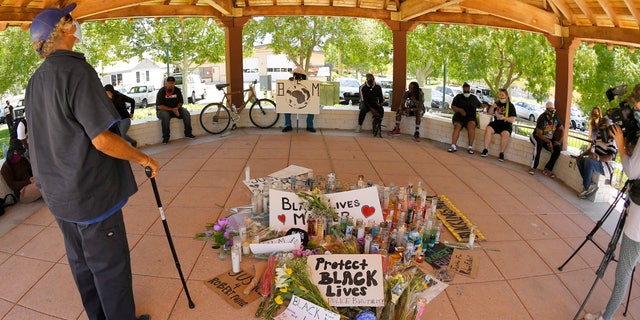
[[126, 74]]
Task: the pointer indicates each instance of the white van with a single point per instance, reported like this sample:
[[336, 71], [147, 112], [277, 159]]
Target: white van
[[195, 85]]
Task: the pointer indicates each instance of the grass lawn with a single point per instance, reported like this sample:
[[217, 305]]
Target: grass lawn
[[4, 139]]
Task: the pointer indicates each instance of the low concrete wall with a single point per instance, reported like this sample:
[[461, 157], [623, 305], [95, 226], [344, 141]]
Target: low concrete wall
[[435, 126]]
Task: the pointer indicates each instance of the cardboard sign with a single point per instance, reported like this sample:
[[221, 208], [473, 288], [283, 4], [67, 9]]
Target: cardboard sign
[[349, 280], [301, 309], [298, 96], [286, 209], [464, 263], [284, 244], [230, 285]]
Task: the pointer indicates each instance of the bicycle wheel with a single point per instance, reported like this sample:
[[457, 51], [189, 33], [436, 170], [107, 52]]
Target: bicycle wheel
[[263, 113], [215, 118]]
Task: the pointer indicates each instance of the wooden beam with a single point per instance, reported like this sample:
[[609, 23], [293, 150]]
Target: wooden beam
[[631, 5], [606, 6], [156, 11], [518, 11], [413, 8], [3, 26], [474, 20], [564, 8], [587, 12], [97, 7], [626, 37], [295, 10], [224, 6]]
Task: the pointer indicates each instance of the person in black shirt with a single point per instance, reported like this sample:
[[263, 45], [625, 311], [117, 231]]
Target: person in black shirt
[[371, 99], [504, 113], [119, 101], [464, 105], [169, 105]]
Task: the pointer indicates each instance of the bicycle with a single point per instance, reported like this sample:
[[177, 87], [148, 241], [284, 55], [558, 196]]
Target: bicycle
[[216, 117]]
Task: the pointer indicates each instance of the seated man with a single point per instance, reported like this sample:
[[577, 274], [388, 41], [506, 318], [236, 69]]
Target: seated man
[[371, 99], [547, 134], [16, 171], [504, 113], [464, 105], [603, 150], [169, 102], [413, 106]]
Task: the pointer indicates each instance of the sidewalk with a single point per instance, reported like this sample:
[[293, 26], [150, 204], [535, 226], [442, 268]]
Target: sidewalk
[[534, 221]]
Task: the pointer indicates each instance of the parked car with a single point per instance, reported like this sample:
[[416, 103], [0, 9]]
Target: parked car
[[144, 95], [484, 94], [195, 85], [528, 111], [448, 95], [577, 121], [18, 110], [436, 100], [349, 90], [387, 87]]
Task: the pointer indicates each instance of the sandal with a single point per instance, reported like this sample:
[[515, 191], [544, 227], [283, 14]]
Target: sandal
[[532, 171], [549, 174]]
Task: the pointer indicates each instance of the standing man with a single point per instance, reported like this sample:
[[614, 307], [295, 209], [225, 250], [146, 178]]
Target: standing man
[[297, 75], [169, 105], [371, 99], [81, 168], [8, 115], [547, 134], [464, 105], [119, 101]]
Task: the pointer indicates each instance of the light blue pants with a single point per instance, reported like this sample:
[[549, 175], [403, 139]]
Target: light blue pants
[[287, 120]]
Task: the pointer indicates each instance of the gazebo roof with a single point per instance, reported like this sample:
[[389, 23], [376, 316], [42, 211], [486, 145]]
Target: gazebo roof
[[607, 21]]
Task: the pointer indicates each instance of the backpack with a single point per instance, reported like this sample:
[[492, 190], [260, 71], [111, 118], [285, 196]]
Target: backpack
[[4, 202]]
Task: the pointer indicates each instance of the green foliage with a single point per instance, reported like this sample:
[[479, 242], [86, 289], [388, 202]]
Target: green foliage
[[107, 42], [20, 60]]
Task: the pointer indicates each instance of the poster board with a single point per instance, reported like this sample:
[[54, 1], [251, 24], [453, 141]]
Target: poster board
[[286, 209], [298, 96], [301, 309], [230, 285], [348, 280]]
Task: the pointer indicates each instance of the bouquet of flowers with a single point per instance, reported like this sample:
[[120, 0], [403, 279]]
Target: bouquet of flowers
[[217, 232]]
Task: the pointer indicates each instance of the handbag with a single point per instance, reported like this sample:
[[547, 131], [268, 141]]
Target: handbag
[[4, 202]]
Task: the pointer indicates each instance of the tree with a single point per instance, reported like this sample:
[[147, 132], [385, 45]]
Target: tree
[[106, 42], [20, 60]]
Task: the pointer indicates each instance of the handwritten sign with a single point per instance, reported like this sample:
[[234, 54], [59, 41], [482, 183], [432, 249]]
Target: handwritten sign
[[438, 256], [298, 96], [285, 244], [230, 285], [291, 170], [301, 309], [464, 263], [286, 209], [349, 280]]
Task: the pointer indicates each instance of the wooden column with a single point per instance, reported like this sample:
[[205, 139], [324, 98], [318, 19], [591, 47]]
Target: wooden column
[[565, 50], [399, 31], [233, 55]]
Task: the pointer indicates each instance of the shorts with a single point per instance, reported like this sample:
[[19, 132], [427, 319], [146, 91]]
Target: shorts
[[499, 126], [462, 120], [411, 112]]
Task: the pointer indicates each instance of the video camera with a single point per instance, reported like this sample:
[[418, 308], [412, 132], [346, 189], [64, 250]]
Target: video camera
[[622, 116]]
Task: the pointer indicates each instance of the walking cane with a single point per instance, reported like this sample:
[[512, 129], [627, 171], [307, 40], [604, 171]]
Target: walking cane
[[147, 170]]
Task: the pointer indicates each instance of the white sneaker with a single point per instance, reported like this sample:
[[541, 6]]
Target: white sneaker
[[583, 194], [592, 189], [593, 316], [358, 129]]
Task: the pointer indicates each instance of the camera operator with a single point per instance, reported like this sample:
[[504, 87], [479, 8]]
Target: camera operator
[[594, 159], [630, 247]]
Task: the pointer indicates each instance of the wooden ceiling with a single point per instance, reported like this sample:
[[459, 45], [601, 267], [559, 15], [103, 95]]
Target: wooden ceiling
[[607, 21]]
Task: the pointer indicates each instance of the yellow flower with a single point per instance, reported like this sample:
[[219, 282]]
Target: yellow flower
[[284, 289], [288, 271], [278, 300]]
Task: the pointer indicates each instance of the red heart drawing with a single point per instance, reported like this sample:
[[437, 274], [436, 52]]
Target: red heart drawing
[[368, 211], [282, 218]]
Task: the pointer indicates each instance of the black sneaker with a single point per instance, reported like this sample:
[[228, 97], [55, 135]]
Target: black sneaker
[[165, 140], [287, 129], [484, 153], [311, 129], [190, 136], [144, 317], [501, 158]]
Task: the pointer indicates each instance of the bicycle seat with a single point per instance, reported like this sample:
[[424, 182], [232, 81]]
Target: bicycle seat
[[221, 86]]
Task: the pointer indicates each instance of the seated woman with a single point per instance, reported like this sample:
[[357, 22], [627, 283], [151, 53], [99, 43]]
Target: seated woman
[[596, 158], [413, 105], [504, 113], [17, 173]]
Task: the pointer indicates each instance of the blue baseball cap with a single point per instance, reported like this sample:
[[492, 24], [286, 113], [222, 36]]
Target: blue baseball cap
[[44, 23]]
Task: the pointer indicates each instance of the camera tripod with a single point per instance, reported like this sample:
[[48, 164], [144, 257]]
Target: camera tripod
[[611, 247]]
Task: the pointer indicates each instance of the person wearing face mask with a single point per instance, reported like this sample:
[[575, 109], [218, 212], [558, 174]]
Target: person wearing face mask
[[82, 169], [504, 113], [16, 172], [464, 105], [169, 102], [630, 245], [596, 159], [371, 99], [546, 135]]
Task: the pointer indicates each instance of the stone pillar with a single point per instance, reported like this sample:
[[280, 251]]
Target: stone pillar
[[233, 55], [565, 50]]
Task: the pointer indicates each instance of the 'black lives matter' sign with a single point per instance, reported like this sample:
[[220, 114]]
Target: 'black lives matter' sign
[[349, 280]]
